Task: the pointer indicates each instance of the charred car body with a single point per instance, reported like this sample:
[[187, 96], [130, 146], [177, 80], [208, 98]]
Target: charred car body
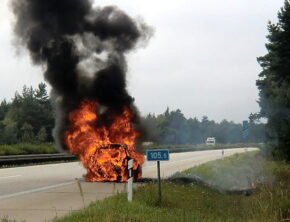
[[110, 163]]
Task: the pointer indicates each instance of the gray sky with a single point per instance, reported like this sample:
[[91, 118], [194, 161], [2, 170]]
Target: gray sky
[[201, 59]]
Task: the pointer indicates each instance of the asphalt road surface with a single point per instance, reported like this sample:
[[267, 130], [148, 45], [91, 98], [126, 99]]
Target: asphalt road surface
[[43, 192]]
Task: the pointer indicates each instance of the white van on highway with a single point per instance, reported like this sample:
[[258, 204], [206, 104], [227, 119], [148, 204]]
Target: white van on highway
[[210, 141]]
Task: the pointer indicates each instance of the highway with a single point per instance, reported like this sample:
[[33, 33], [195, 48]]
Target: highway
[[42, 192]]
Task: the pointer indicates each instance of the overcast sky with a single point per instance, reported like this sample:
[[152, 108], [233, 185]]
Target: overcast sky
[[201, 59]]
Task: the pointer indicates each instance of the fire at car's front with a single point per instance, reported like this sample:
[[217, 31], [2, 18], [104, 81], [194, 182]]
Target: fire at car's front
[[92, 143]]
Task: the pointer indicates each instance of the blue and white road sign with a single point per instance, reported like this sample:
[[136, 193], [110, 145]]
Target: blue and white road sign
[[245, 125], [157, 155]]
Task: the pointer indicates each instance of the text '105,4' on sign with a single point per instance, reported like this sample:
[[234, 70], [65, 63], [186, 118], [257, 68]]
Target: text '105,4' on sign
[[157, 155]]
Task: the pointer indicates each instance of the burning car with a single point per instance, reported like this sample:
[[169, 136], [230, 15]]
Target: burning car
[[104, 149], [111, 164]]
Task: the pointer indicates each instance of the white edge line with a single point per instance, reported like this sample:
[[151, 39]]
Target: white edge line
[[7, 177], [192, 157], [6, 196]]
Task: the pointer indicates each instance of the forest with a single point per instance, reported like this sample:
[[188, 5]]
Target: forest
[[29, 118]]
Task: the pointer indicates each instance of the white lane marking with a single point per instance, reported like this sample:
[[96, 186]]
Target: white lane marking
[[176, 161], [184, 159], [6, 196], [8, 177], [207, 154]]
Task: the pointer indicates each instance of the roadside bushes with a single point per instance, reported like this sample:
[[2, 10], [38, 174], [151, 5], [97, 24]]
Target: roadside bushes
[[27, 148]]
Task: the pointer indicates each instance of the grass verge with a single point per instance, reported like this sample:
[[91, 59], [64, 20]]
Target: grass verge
[[239, 171], [27, 148], [190, 202]]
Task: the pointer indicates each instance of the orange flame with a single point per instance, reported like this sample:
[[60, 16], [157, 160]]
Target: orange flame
[[103, 150]]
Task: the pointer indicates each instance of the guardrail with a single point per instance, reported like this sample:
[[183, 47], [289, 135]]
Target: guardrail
[[34, 158]]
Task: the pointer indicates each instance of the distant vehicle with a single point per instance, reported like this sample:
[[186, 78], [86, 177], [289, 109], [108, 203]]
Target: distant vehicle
[[210, 141]]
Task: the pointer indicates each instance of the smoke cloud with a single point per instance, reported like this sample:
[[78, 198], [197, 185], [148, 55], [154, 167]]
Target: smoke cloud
[[82, 50]]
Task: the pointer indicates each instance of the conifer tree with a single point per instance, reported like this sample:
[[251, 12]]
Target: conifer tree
[[274, 83]]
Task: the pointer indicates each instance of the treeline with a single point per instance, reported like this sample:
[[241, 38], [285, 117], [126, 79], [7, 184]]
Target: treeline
[[28, 118], [172, 127]]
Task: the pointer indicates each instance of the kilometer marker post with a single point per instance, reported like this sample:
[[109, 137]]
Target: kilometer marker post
[[158, 155], [130, 180]]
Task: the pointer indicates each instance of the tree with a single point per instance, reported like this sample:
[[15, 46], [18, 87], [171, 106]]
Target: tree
[[274, 83], [27, 133], [42, 135], [26, 115], [4, 107], [10, 133], [228, 132], [195, 131], [41, 93]]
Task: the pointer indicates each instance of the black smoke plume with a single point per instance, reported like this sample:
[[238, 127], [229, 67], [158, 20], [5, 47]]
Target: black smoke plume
[[82, 50]]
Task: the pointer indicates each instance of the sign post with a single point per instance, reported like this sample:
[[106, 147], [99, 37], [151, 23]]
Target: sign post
[[130, 180], [158, 155], [159, 181]]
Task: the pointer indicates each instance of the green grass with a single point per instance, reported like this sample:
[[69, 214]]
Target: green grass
[[190, 202], [26, 148], [235, 172]]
